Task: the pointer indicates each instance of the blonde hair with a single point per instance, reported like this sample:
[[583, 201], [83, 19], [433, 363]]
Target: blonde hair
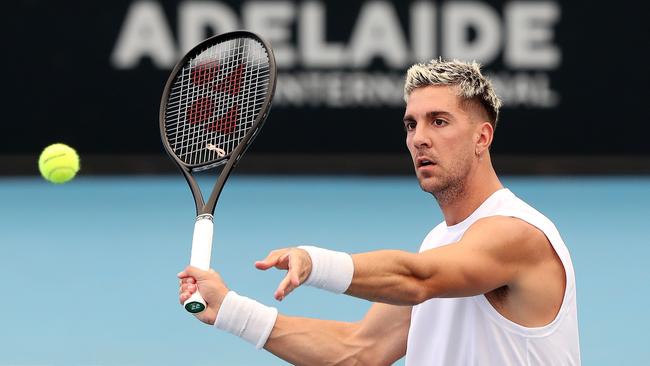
[[472, 85]]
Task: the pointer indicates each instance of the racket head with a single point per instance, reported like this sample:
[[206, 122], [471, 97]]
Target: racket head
[[216, 99]]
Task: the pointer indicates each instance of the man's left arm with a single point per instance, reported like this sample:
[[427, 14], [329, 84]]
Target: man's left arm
[[492, 253]]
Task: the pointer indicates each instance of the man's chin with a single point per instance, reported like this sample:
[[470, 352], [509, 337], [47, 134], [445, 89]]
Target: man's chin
[[429, 184]]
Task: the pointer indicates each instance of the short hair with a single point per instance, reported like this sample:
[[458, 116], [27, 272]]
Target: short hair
[[467, 76]]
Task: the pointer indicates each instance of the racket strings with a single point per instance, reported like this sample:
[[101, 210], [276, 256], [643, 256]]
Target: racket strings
[[215, 99]]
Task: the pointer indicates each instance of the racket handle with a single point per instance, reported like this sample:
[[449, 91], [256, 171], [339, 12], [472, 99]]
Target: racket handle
[[200, 257]]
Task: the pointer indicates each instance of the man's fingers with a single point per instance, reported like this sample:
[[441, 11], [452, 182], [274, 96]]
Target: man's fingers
[[283, 261], [263, 264], [197, 274], [274, 259], [183, 297], [284, 288], [288, 259], [187, 280], [267, 262], [294, 271], [191, 288]]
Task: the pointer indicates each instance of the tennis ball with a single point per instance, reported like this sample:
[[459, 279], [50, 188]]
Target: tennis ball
[[58, 163]]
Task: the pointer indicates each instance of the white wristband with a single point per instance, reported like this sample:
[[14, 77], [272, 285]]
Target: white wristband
[[246, 318], [330, 270]]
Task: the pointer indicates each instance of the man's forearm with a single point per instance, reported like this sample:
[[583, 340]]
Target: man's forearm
[[389, 276], [305, 341]]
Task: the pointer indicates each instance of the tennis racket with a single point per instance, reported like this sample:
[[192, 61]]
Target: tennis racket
[[214, 104]]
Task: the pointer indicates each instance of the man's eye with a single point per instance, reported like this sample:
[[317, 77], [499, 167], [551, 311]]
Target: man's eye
[[409, 126], [439, 122]]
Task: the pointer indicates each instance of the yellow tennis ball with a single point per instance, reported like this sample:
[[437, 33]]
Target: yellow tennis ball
[[58, 163]]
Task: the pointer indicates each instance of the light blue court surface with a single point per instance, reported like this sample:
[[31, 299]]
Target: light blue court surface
[[88, 268]]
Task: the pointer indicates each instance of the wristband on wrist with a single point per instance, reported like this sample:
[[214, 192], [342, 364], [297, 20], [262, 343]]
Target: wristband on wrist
[[330, 270], [246, 318]]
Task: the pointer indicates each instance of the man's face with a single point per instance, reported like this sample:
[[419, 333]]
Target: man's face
[[441, 136]]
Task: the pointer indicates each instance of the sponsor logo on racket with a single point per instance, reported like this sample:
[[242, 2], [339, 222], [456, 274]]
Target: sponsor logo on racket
[[220, 152]]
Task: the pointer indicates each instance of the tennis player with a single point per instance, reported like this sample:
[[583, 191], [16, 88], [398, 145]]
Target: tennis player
[[493, 284]]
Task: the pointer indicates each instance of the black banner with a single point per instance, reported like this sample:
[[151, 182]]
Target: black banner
[[573, 75]]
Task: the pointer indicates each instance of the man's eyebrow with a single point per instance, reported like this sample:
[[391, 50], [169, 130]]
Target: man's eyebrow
[[432, 114]]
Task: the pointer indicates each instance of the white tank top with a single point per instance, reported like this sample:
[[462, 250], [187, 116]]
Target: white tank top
[[469, 331]]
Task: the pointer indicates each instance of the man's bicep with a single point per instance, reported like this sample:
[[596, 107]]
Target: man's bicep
[[384, 331], [489, 256]]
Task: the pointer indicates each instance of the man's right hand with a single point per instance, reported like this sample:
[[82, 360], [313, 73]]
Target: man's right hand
[[211, 287], [295, 261]]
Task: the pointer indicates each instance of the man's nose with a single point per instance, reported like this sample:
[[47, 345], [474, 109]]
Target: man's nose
[[420, 136]]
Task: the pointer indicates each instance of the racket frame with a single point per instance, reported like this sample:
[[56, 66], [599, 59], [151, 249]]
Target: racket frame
[[233, 158]]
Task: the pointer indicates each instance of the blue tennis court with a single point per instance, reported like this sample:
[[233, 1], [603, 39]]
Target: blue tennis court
[[89, 267]]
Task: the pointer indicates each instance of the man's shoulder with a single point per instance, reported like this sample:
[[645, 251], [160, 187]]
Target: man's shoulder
[[506, 226], [518, 208], [509, 236]]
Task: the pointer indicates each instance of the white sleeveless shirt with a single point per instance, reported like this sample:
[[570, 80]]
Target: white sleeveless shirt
[[469, 331]]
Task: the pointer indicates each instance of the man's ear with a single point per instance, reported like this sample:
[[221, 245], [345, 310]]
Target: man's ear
[[484, 136]]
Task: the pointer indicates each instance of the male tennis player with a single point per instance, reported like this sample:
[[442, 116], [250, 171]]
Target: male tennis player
[[491, 285]]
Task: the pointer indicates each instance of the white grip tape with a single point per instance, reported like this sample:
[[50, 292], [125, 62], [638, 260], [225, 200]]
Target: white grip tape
[[330, 270], [200, 256], [202, 242], [246, 318]]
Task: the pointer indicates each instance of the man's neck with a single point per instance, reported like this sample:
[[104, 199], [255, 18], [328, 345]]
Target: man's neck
[[480, 185]]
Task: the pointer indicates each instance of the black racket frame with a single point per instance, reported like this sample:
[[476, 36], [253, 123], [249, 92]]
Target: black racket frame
[[233, 158]]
